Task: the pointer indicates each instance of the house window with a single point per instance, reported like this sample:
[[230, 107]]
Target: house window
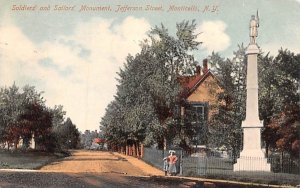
[[197, 115], [198, 111]]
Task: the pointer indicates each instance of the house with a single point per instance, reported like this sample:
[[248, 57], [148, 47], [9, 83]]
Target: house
[[199, 98]]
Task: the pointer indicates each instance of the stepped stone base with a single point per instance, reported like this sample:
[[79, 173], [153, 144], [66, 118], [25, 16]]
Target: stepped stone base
[[252, 164]]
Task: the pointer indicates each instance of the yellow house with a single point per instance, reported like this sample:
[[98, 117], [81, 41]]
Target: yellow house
[[199, 101], [199, 93]]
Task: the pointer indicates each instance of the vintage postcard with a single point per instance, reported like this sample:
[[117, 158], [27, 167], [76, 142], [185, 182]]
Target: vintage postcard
[[68, 63]]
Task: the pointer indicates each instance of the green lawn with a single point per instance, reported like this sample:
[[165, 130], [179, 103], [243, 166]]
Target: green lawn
[[220, 168], [26, 160]]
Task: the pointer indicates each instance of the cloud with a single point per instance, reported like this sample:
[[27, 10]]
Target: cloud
[[213, 36], [17, 55], [77, 71]]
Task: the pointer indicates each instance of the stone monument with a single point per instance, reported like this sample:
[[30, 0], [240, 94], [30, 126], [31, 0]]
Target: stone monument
[[252, 158]]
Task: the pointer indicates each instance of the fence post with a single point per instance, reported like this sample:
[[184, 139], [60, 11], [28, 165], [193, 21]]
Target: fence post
[[163, 154], [133, 150], [142, 150], [181, 161], [130, 150]]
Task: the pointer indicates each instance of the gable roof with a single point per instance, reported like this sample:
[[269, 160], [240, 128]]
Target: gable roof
[[190, 83]]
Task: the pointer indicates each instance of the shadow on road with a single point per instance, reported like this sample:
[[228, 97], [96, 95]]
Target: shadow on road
[[94, 159], [74, 180]]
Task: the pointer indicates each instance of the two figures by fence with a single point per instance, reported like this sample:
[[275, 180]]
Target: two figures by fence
[[170, 163]]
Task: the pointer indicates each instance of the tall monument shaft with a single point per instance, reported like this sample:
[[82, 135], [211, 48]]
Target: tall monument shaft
[[252, 115], [252, 158], [252, 125]]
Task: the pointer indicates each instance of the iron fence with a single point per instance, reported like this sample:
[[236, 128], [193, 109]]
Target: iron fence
[[155, 158], [212, 164], [283, 169]]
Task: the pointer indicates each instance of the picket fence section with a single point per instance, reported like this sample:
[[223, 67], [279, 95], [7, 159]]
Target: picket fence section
[[282, 169]]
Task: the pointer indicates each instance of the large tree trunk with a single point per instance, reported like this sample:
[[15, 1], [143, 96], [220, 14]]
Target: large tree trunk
[[267, 149], [137, 149], [16, 144]]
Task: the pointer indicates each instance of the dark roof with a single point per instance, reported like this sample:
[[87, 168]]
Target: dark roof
[[190, 83]]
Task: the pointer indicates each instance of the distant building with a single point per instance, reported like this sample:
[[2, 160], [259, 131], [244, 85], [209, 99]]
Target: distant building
[[32, 144]]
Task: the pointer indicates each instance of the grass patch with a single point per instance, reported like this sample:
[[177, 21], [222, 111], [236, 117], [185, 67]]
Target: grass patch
[[259, 177], [28, 159], [219, 168]]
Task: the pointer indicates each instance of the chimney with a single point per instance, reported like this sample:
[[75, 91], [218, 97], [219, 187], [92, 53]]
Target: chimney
[[205, 68]]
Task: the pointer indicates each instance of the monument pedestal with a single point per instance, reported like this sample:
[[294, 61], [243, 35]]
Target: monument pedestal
[[252, 164], [252, 158]]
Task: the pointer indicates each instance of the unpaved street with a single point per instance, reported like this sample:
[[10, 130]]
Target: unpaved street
[[101, 162], [88, 169]]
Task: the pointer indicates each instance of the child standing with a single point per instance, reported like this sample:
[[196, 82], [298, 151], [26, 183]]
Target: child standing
[[166, 165], [172, 163]]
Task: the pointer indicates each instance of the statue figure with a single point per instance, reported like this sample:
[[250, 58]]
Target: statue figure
[[254, 24]]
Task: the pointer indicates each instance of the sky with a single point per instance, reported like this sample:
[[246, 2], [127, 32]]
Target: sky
[[73, 55]]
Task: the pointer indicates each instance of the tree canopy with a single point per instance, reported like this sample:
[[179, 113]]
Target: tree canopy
[[278, 100], [148, 93], [25, 116], [148, 89]]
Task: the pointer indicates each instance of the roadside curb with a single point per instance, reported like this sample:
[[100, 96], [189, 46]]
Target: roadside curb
[[214, 182], [17, 170]]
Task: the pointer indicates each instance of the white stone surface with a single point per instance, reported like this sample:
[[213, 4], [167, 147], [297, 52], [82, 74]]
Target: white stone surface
[[252, 158], [252, 116], [252, 164], [252, 143]]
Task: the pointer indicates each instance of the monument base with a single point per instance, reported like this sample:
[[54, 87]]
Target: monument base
[[252, 158], [252, 164]]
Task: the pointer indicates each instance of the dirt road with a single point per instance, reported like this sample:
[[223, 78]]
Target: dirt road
[[92, 169], [88, 169], [101, 162]]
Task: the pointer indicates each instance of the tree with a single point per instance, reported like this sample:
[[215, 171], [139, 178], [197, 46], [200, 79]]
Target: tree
[[67, 135], [58, 116], [24, 114], [86, 139], [11, 108], [112, 126], [173, 59], [148, 89], [40, 119], [280, 101], [15, 110], [35, 118], [225, 125]]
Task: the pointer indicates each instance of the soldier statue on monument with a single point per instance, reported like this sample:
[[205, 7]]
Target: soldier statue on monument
[[254, 24], [252, 157]]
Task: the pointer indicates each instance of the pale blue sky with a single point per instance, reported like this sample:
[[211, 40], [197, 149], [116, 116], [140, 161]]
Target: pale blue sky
[[73, 56]]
